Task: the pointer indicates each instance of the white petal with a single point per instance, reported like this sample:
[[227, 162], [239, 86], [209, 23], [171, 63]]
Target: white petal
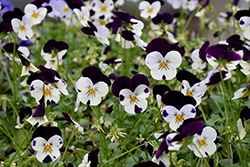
[[244, 22], [36, 89], [142, 91], [56, 142], [174, 58], [188, 111], [210, 133], [101, 88], [124, 96], [83, 83], [168, 113], [38, 143], [16, 23], [185, 87]]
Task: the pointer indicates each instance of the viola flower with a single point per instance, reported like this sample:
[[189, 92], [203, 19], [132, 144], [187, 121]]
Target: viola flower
[[241, 93], [163, 59], [92, 86], [172, 145], [191, 85], [243, 16], [9, 51], [37, 14], [177, 109], [47, 84], [149, 10], [158, 92], [54, 52], [28, 68], [23, 27], [66, 117], [198, 63], [47, 141], [23, 114], [245, 67], [102, 7], [203, 144], [190, 4], [82, 15], [38, 117], [90, 159], [226, 18], [132, 92], [244, 116], [112, 61]]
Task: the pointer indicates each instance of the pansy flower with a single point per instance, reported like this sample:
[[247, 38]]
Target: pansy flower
[[158, 92], [47, 141], [243, 16], [103, 7], [66, 117], [23, 114], [23, 27], [28, 68], [132, 92], [241, 93], [163, 58], [191, 85], [38, 117], [101, 32], [241, 123], [82, 15], [177, 108], [91, 87], [47, 84], [203, 144], [149, 10], [10, 48], [112, 61], [54, 52], [90, 159], [198, 63], [36, 14]]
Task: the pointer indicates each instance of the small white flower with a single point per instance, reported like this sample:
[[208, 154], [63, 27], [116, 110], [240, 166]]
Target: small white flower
[[82, 15], [89, 93], [134, 102], [23, 27], [37, 15], [163, 68], [245, 26], [47, 151], [197, 62], [176, 117], [101, 35], [102, 8], [149, 11], [203, 145]]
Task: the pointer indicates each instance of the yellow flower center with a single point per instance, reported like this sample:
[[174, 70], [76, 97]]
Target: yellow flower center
[[189, 93], [162, 105], [221, 68], [91, 91], [133, 98], [103, 9], [163, 64], [35, 15], [82, 17], [47, 148], [202, 143], [102, 23], [150, 10], [47, 92], [179, 118], [22, 27], [66, 9]]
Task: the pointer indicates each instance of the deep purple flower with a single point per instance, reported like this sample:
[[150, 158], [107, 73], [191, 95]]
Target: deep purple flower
[[24, 113], [216, 77], [245, 114], [164, 17]]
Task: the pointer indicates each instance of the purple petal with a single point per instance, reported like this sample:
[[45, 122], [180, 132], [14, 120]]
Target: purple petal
[[202, 52], [128, 35], [139, 79], [160, 90], [188, 76], [121, 83], [163, 147], [93, 157], [46, 132], [158, 44], [241, 13], [216, 78], [40, 110]]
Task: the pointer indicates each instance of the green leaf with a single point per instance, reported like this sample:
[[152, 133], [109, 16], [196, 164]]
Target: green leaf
[[19, 137], [214, 118], [130, 162], [224, 162], [112, 146], [109, 118]]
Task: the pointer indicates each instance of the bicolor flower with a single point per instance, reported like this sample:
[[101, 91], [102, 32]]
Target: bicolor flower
[[177, 108], [158, 92], [198, 63], [243, 16], [23, 27], [163, 59], [9, 51], [37, 14], [90, 159], [47, 84], [28, 68], [47, 141], [244, 116], [54, 52], [112, 61], [38, 117], [132, 92], [23, 114], [149, 10], [203, 144], [245, 67], [191, 85], [102, 7], [92, 86], [82, 15], [241, 93]]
